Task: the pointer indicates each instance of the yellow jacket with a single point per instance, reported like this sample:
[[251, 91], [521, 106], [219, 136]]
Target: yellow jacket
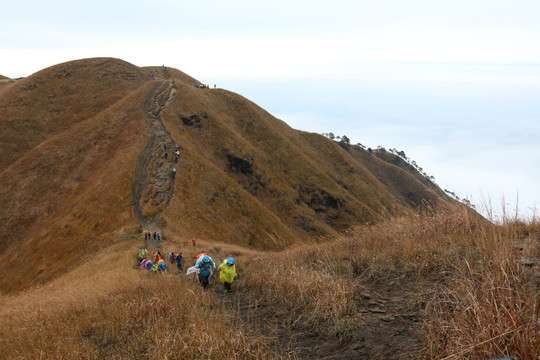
[[227, 273]]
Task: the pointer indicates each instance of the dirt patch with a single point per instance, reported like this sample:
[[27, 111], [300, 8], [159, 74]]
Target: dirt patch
[[154, 180], [389, 326]]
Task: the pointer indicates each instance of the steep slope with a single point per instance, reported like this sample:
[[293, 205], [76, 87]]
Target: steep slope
[[284, 185], [83, 145], [67, 165], [52, 100], [408, 186]]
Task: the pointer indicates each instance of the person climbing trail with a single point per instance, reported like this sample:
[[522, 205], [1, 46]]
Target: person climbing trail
[[142, 254], [173, 172], [227, 273], [162, 265], [204, 265], [193, 242], [179, 258], [143, 263]]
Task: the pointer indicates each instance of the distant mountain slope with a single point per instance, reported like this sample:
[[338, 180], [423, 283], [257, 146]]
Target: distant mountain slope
[[73, 136], [408, 186], [5, 82]]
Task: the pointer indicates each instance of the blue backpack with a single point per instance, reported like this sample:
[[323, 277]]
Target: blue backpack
[[205, 266]]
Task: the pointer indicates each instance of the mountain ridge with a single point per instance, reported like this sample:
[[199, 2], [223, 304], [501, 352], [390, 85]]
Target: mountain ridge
[[76, 130]]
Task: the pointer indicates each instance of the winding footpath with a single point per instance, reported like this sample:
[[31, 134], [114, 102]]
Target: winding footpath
[[154, 182]]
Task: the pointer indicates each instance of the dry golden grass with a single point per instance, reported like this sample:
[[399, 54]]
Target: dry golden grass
[[491, 304], [66, 182], [487, 303], [68, 196], [107, 308]]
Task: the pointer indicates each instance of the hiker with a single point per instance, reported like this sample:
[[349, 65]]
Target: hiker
[[158, 237], [149, 265], [227, 273], [173, 172], [166, 155], [204, 265], [153, 76], [164, 147], [193, 242], [179, 258], [162, 265], [172, 257], [199, 256], [143, 253], [143, 264], [154, 235], [157, 256]]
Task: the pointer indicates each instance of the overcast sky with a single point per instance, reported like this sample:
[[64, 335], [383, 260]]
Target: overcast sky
[[454, 84]]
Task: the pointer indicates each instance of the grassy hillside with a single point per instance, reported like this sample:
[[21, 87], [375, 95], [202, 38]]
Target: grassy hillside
[[305, 183], [67, 165], [336, 254], [75, 132], [444, 286], [408, 186]]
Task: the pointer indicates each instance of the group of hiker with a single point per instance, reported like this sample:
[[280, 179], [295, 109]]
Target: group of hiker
[[176, 152], [203, 267], [203, 86], [148, 235], [159, 264]]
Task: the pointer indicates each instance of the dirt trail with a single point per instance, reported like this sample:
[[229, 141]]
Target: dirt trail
[[390, 321], [154, 182], [389, 327]]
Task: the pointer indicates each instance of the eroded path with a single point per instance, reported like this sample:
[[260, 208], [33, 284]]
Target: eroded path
[[154, 182]]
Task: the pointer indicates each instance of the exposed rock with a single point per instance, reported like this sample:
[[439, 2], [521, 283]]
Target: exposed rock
[[240, 165], [192, 120]]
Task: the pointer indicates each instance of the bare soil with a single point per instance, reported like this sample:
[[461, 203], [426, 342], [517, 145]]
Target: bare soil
[[389, 329], [154, 182]]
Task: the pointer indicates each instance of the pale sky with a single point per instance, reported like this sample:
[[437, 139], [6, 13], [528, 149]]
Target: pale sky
[[454, 84]]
